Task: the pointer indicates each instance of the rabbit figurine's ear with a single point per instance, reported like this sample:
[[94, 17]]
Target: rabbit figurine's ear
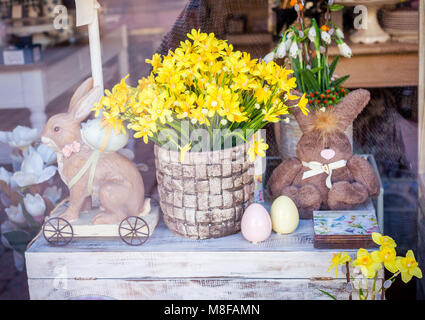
[[350, 107], [85, 87], [83, 107]]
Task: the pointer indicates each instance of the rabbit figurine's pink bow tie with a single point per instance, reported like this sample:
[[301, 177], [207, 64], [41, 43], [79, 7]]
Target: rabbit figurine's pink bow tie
[[71, 148]]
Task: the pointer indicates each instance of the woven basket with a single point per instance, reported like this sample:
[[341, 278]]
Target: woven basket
[[288, 134], [205, 196]]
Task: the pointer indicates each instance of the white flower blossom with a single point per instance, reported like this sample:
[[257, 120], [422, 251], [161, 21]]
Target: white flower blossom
[[269, 57], [5, 175], [20, 137], [33, 171], [339, 33], [294, 50], [312, 34], [47, 154], [35, 206], [326, 37], [345, 50], [281, 50], [15, 214]]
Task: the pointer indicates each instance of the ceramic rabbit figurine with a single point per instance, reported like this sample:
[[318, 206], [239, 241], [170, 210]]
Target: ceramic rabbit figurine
[[325, 174], [113, 179]]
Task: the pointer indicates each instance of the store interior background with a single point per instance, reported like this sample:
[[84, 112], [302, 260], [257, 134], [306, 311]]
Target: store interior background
[[387, 128]]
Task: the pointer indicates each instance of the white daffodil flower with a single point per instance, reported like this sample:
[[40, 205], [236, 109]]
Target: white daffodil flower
[[21, 137], [53, 193], [35, 206], [345, 50], [47, 154], [15, 214], [33, 171]]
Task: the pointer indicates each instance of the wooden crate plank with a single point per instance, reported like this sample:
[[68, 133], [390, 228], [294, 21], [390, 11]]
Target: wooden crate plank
[[180, 264], [191, 289]]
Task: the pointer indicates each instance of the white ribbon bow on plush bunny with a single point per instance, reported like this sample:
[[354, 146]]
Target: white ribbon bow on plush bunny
[[318, 168]]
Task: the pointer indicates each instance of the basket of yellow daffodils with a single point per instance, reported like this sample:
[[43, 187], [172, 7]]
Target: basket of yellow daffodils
[[202, 105]]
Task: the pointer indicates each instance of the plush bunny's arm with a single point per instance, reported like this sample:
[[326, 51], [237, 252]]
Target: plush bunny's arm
[[284, 175], [363, 172]]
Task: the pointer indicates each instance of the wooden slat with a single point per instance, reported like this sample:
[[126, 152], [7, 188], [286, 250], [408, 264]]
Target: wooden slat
[[389, 47], [387, 70], [189, 289]]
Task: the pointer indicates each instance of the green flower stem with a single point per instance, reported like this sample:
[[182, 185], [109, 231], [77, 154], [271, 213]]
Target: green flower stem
[[374, 286]]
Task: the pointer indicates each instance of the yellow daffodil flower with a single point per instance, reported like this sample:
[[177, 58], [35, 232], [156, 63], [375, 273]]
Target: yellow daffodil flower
[[367, 263], [408, 267], [386, 255], [338, 259], [302, 105], [155, 61], [384, 241], [257, 148]]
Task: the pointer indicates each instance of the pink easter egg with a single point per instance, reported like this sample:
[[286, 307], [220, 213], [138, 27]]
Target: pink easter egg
[[256, 224]]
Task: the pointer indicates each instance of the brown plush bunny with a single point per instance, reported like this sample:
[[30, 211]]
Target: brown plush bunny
[[326, 175], [115, 181]]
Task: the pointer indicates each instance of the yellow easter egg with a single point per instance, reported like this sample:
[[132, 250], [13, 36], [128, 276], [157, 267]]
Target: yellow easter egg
[[284, 215]]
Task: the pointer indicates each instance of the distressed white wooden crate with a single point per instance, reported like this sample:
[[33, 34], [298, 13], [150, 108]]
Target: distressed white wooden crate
[[170, 267]]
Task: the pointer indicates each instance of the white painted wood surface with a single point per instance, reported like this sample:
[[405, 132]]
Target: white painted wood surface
[[189, 289], [170, 267]]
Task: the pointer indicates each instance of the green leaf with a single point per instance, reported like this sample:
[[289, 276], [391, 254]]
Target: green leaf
[[327, 293], [316, 70], [332, 67], [309, 80], [339, 81], [336, 7], [18, 240]]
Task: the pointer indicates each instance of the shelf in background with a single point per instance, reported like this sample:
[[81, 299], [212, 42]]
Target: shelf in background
[[388, 64]]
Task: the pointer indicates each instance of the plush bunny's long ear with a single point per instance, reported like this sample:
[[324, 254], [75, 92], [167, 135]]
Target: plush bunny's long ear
[[350, 107], [84, 106], [305, 122], [85, 87]]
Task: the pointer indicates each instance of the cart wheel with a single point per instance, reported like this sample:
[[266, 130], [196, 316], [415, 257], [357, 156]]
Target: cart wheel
[[57, 231], [134, 231]]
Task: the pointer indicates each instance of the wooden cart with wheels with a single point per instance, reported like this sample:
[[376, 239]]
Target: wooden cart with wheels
[[132, 230]]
